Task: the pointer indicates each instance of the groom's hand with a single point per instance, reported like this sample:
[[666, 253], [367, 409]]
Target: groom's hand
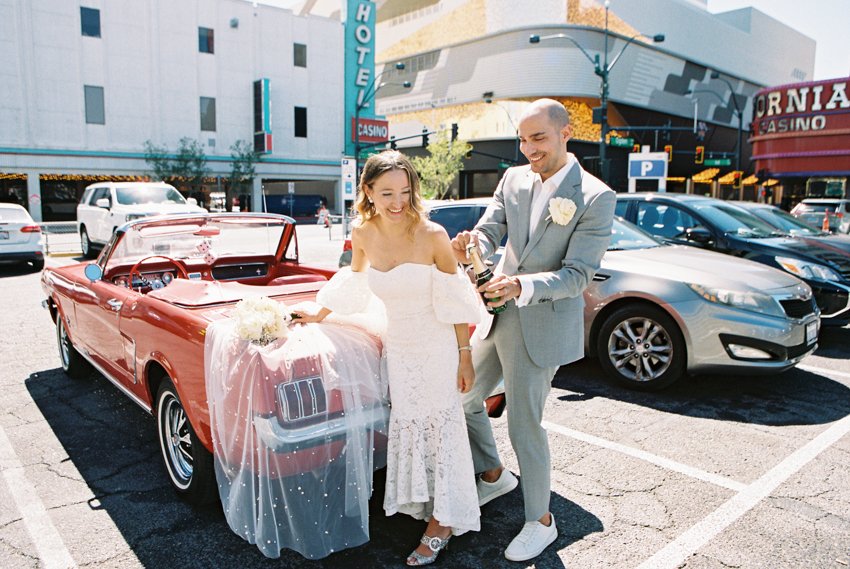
[[459, 244], [502, 287]]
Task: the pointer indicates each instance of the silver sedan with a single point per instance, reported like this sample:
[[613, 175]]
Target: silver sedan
[[655, 312]]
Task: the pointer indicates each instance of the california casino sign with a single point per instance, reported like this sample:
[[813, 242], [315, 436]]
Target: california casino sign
[[802, 127]]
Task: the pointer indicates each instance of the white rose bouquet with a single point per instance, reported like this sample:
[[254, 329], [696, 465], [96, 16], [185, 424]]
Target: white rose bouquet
[[261, 320], [561, 210]]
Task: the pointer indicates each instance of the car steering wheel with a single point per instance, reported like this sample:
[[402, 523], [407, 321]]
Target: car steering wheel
[[181, 271]]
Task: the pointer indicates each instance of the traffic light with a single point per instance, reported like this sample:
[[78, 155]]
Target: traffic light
[[425, 139], [668, 148], [454, 131], [737, 179], [636, 148], [393, 143], [468, 153], [699, 155]]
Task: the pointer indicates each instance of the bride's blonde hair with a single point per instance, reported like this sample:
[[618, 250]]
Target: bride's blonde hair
[[376, 166]]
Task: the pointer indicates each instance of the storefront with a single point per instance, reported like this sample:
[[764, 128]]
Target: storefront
[[801, 137]]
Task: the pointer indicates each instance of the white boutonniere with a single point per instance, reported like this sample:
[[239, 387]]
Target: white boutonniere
[[261, 320], [561, 210]]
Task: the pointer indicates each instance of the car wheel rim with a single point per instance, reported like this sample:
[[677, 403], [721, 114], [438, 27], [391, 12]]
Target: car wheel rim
[[85, 244], [176, 441], [64, 346], [640, 349]]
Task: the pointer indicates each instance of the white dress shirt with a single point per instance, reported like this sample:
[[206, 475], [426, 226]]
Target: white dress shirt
[[541, 193]]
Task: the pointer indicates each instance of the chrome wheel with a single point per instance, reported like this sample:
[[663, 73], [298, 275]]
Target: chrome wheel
[[85, 243], [640, 349], [64, 344], [72, 362], [176, 440], [641, 346]]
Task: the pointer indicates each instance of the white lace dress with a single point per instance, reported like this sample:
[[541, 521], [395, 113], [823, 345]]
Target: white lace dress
[[429, 462]]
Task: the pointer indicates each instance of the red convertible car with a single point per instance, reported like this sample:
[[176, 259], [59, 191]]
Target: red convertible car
[[139, 314]]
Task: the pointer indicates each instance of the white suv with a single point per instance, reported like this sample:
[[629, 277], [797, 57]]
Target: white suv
[[106, 206], [814, 210]]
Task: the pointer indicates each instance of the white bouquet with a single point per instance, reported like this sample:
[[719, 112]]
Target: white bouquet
[[261, 320]]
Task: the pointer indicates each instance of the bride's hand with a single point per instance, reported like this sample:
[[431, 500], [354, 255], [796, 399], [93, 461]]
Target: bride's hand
[[306, 312], [465, 373]]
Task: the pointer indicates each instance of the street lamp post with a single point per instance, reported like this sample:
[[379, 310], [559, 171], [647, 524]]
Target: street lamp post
[[488, 98], [602, 69], [368, 96], [738, 115], [739, 147]]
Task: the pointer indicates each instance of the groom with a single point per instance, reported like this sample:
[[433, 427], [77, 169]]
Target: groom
[[554, 247]]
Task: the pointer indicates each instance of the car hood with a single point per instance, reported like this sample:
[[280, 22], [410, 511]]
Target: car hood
[[690, 265], [162, 208]]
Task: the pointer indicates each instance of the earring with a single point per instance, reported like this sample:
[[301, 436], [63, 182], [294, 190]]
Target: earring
[[369, 200]]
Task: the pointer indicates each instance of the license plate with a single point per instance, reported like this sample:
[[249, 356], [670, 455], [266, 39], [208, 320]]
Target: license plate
[[811, 332], [4, 234]]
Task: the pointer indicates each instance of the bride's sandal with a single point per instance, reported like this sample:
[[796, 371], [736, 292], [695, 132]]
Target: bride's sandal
[[435, 544]]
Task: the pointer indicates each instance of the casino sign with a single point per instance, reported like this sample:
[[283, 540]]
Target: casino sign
[[802, 129]]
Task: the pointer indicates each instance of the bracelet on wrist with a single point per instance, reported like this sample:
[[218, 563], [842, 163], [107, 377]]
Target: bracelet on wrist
[[464, 348]]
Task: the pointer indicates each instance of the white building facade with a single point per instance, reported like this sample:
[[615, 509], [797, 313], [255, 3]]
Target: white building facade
[[85, 84]]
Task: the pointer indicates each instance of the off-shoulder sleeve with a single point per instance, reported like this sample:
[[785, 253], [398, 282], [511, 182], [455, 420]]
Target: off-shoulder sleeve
[[346, 293], [455, 299]]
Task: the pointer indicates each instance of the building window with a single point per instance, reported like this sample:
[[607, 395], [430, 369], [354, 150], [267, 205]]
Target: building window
[[94, 105], [301, 122], [206, 40], [208, 113], [90, 22], [299, 55]]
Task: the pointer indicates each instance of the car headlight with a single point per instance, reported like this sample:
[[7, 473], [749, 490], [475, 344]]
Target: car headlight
[[135, 216], [745, 300], [807, 270]]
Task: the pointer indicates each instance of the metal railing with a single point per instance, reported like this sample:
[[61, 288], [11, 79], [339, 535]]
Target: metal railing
[[61, 237]]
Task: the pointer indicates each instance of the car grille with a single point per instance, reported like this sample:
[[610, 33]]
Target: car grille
[[798, 308], [302, 399]]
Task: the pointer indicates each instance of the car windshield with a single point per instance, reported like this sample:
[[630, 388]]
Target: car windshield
[[625, 237], [148, 195], [197, 238], [818, 207], [786, 222], [732, 219], [13, 214]]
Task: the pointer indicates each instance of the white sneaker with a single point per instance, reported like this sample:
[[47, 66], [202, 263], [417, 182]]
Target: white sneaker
[[531, 541], [488, 491]]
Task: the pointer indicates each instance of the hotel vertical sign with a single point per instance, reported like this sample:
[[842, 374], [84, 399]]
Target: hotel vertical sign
[[359, 63]]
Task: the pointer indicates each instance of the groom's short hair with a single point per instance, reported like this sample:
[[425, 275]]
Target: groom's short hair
[[555, 110]]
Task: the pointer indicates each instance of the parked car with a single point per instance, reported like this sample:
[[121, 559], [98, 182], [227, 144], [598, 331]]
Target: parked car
[[106, 206], [796, 227], [20, 237], [454, 215], [814, 210], [697, 311], [721, 226], [139, 316]]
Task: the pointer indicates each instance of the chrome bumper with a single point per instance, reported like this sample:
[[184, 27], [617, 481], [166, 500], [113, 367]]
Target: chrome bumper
[[281, 439]]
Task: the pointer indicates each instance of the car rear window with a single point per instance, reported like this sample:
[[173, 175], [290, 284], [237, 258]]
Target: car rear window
[[13, 214], [818, 207]]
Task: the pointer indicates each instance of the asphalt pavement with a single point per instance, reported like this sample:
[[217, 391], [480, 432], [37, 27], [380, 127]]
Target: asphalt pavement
[[715, 472]]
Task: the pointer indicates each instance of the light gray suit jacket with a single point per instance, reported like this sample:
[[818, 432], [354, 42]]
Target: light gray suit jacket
[[560, 259]]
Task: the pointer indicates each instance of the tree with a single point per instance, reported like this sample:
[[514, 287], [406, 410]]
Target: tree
[[439, 169], [242, 170], [189, 163]]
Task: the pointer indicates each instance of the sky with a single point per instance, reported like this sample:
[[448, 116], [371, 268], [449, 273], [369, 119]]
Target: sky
[[825, 21]]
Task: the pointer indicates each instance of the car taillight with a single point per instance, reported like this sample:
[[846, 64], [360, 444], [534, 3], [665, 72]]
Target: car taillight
[[30, 229], [346, 246], [302, 399]]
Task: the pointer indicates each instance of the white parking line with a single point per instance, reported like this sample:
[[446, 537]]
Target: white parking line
[[51, 549], [649, 457], [677, 551], [824, 371]]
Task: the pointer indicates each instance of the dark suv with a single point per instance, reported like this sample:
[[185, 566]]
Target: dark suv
[[724, 227]]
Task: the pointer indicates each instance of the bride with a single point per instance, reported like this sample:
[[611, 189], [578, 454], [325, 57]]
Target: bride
[[407, 262]]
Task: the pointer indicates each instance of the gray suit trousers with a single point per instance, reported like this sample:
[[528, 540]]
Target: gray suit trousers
[[503, 354]]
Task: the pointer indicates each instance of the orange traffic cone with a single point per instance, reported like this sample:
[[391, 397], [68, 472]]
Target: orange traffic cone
[[825, 226]]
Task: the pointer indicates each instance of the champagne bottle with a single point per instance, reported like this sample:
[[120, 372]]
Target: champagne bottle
[[482, 275]]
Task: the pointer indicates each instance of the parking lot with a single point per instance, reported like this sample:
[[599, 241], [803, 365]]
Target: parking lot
[[717, 471]]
